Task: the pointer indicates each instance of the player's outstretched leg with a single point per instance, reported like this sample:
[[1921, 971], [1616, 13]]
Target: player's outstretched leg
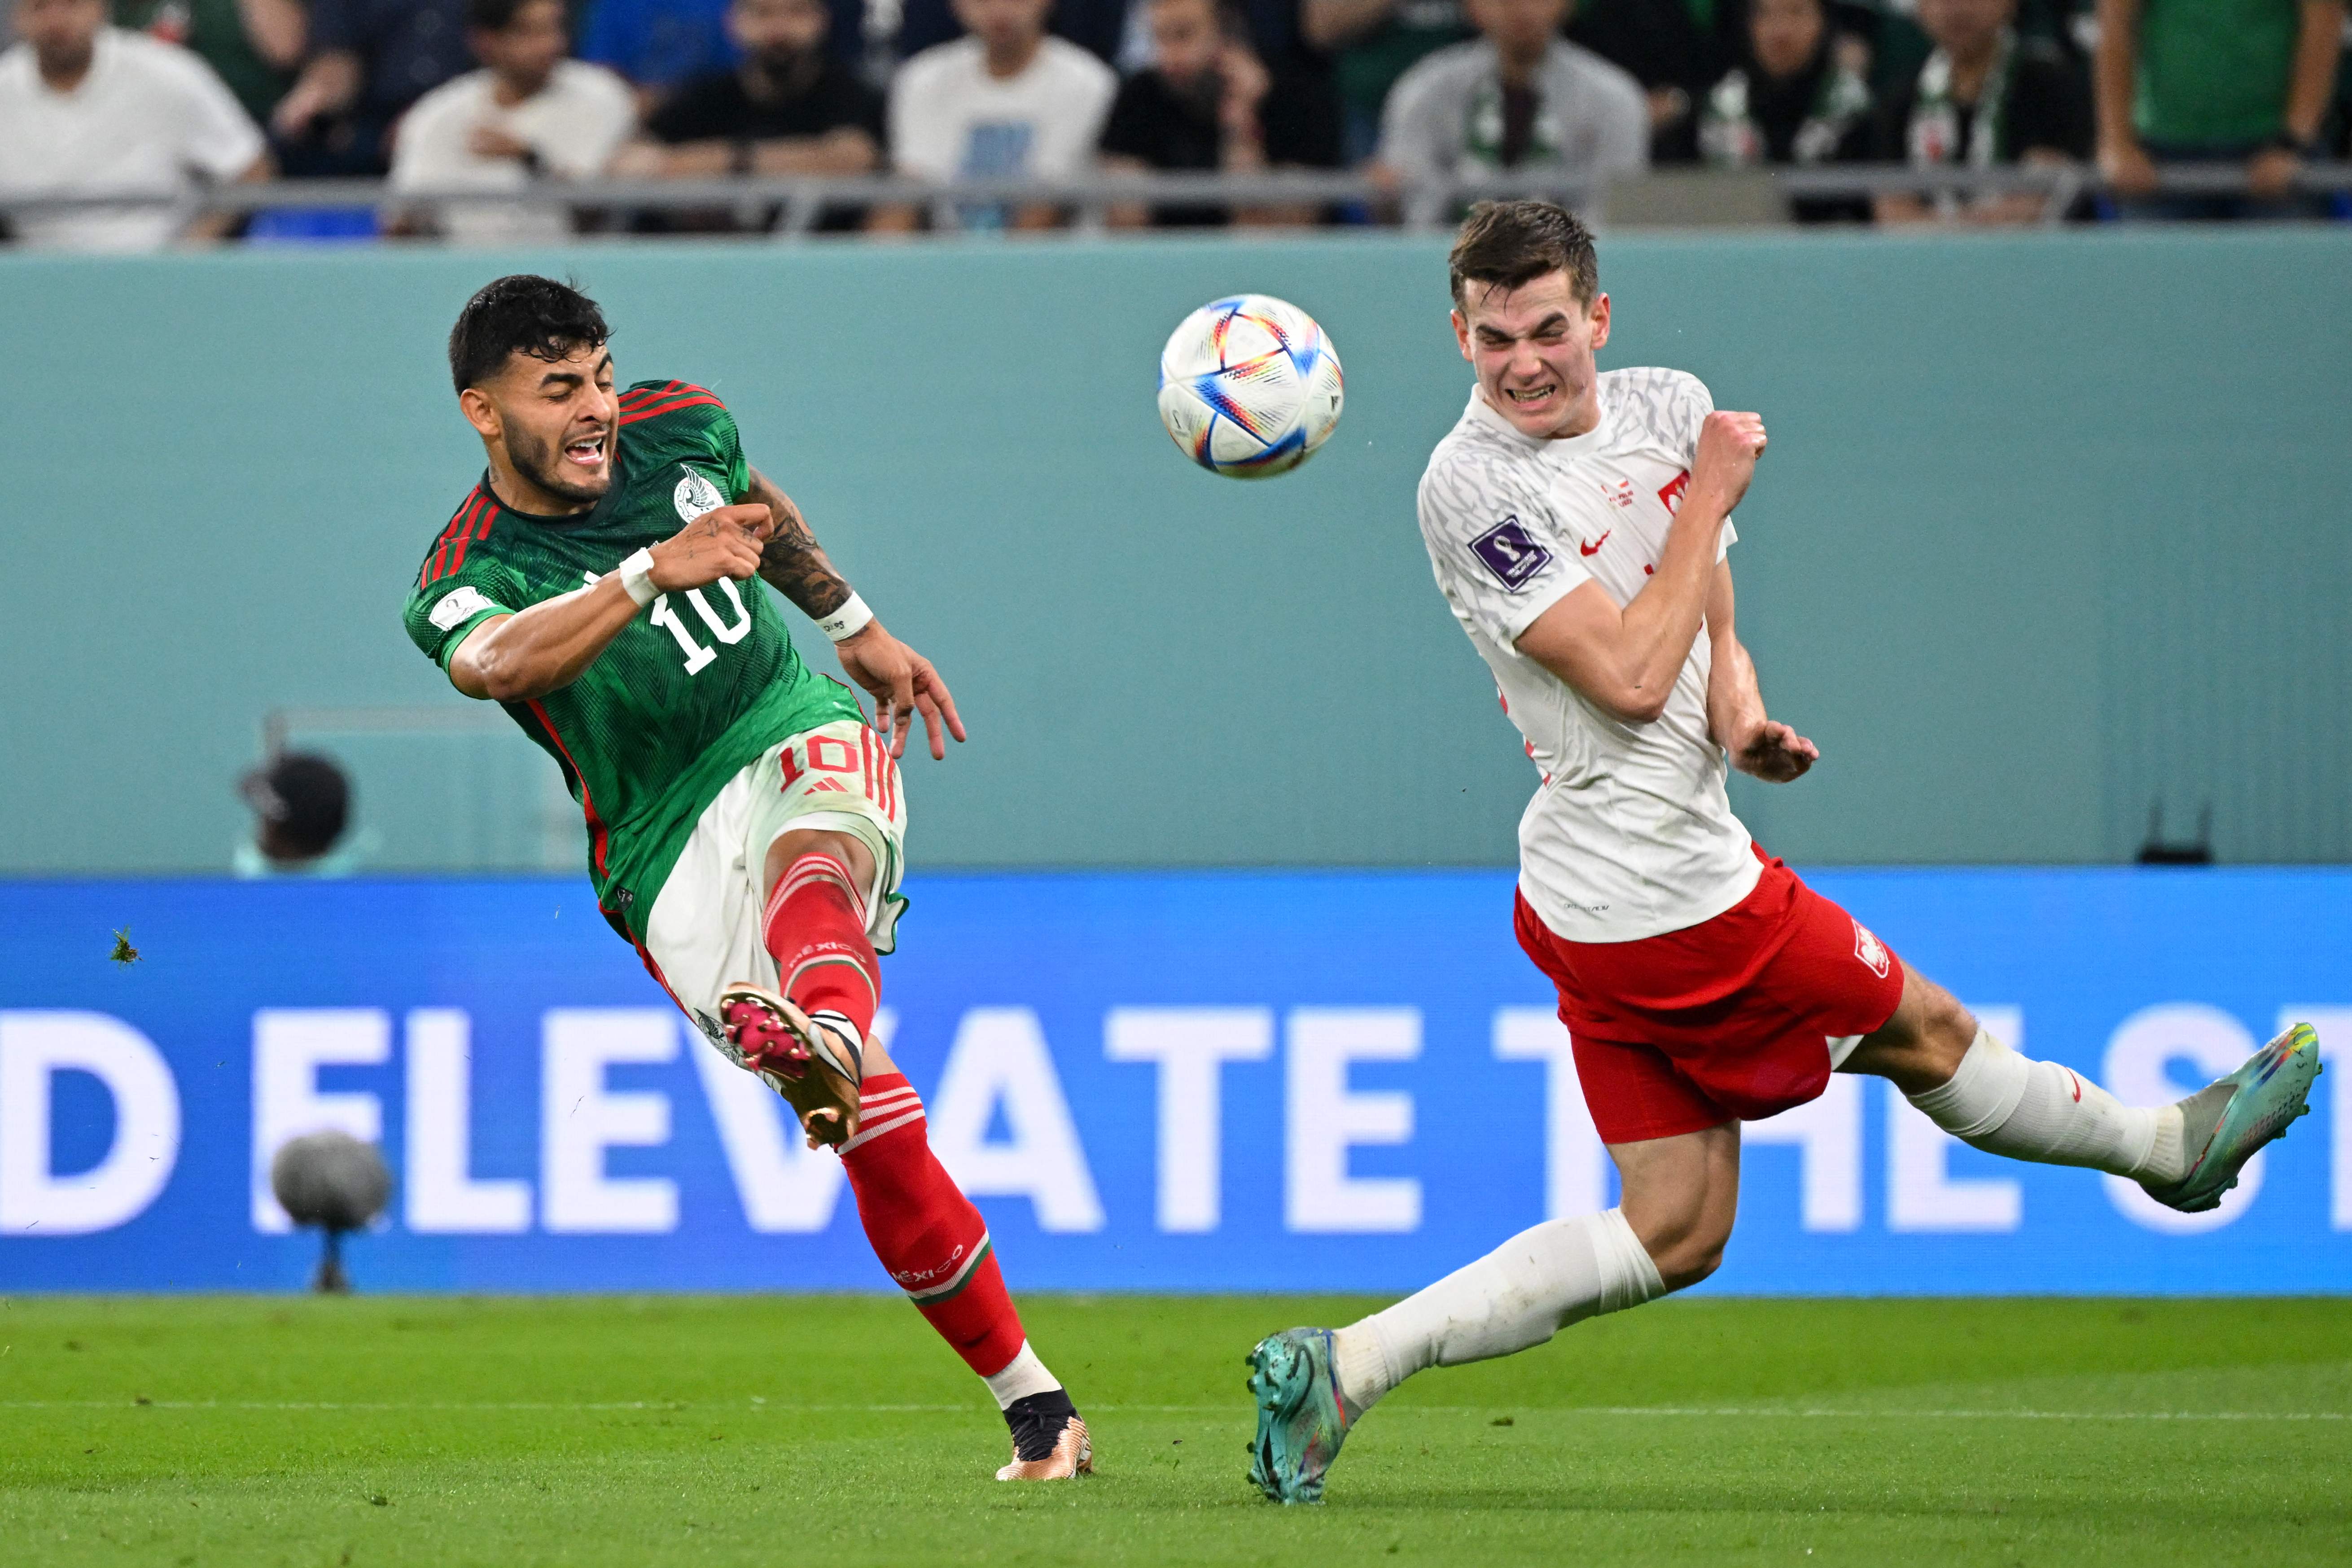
[[811, 1043], [2185, 1154], [936, 1247], [1312, 1385]]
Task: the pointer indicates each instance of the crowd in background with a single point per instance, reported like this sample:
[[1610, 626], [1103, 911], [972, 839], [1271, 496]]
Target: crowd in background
[[523, 95]]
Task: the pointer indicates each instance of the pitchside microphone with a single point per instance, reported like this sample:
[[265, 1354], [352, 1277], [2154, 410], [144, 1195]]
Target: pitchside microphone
[[333, 1181]]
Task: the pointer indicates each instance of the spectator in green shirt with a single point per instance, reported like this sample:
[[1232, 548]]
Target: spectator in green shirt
[[2211, 82], [253, 45]]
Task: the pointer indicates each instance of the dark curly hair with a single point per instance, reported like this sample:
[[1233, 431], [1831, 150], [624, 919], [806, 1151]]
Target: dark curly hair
[[1507, 244], [522, 313]]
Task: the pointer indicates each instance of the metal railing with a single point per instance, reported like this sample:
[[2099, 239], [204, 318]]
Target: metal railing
[[790, 207]]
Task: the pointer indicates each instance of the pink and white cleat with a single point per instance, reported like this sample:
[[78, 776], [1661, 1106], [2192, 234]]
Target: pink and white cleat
[[815, 1066]]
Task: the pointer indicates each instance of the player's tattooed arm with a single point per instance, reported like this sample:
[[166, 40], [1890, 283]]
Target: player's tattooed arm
[[902, 682], [794, 561]]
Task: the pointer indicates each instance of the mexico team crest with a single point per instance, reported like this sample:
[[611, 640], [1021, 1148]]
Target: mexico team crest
[[695, 495], [1870, 950]]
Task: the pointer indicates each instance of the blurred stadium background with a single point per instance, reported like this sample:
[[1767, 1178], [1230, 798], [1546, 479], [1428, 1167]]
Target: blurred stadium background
[[1208, 979]]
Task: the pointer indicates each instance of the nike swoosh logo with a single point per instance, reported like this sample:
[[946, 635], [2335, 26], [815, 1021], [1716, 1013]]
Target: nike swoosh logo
[[1595, 548]]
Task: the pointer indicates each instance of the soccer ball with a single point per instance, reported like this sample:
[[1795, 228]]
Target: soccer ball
[[1249, 387]]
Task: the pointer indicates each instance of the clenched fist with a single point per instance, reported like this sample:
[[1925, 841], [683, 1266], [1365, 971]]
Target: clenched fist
[[725, 542], [1729, 446], [1775, 753]]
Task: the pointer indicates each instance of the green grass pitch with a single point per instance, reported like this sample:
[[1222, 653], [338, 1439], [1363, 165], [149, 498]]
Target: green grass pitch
[[805, 1430]]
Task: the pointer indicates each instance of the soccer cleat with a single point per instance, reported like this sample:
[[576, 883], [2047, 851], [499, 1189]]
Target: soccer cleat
[[1050, 1443], [816, 1066], [1300, 1421], [2228, 1120]]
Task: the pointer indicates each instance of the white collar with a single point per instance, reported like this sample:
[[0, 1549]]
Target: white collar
[[1486, 413]]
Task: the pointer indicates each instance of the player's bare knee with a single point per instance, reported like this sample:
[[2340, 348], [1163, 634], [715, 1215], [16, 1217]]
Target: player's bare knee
[[847, 847], [1946, 1029], [1682, 1272], [1682, 1232], [1921, 1047], [1688, 1254], [1684, 1267]]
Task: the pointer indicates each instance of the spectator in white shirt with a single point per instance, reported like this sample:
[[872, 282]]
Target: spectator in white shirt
[[529, 119], [1521, 96], [1007, 102], [88, 109]]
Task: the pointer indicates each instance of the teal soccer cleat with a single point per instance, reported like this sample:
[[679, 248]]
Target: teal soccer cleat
[[2229, 1120], [1300, 1422]]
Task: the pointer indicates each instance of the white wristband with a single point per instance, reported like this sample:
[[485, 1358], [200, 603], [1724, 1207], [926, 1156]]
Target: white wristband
[[847, 621], [637, 577]]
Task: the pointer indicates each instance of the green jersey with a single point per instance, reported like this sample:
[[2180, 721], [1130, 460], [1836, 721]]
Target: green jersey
[[214, 30], [690, 693], [2214, 73]]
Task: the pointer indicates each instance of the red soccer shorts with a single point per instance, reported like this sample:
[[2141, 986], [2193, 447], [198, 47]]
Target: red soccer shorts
[[1726, 1020]]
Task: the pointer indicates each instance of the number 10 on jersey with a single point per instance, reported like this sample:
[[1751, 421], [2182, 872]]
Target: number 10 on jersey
[[698, 658]]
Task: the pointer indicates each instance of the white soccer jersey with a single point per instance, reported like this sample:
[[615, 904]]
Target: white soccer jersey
[[1631, 834], [144, 117]]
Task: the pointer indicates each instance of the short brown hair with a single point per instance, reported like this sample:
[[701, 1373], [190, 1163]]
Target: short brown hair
[[1507, 244]]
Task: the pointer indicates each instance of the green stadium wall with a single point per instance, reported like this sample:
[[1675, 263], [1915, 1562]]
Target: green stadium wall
[[2054, 526]]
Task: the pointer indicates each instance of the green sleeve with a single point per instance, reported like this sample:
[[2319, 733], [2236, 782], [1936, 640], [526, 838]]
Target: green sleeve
[[725, 446], [440, 616]]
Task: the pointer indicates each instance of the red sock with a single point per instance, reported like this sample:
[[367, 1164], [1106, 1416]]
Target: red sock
[[925, 1230], [815, 927]]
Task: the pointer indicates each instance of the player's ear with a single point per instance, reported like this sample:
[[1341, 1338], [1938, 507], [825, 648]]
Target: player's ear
[[1462, 332], [481, 413], [1600, 315]]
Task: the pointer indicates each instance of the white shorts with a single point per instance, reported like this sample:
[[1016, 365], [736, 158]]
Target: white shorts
[[704, 933]]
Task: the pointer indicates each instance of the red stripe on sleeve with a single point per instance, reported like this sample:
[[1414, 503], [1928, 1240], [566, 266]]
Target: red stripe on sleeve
[[632, 417], [438, 564], [489, 514]]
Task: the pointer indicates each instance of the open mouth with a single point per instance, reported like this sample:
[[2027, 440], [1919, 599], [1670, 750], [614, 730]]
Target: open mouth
[[1528, 397], [588, 451]]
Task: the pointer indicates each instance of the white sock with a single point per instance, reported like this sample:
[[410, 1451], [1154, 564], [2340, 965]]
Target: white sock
[[1518, 1295], [1022, 1376], [2008, 1104]]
